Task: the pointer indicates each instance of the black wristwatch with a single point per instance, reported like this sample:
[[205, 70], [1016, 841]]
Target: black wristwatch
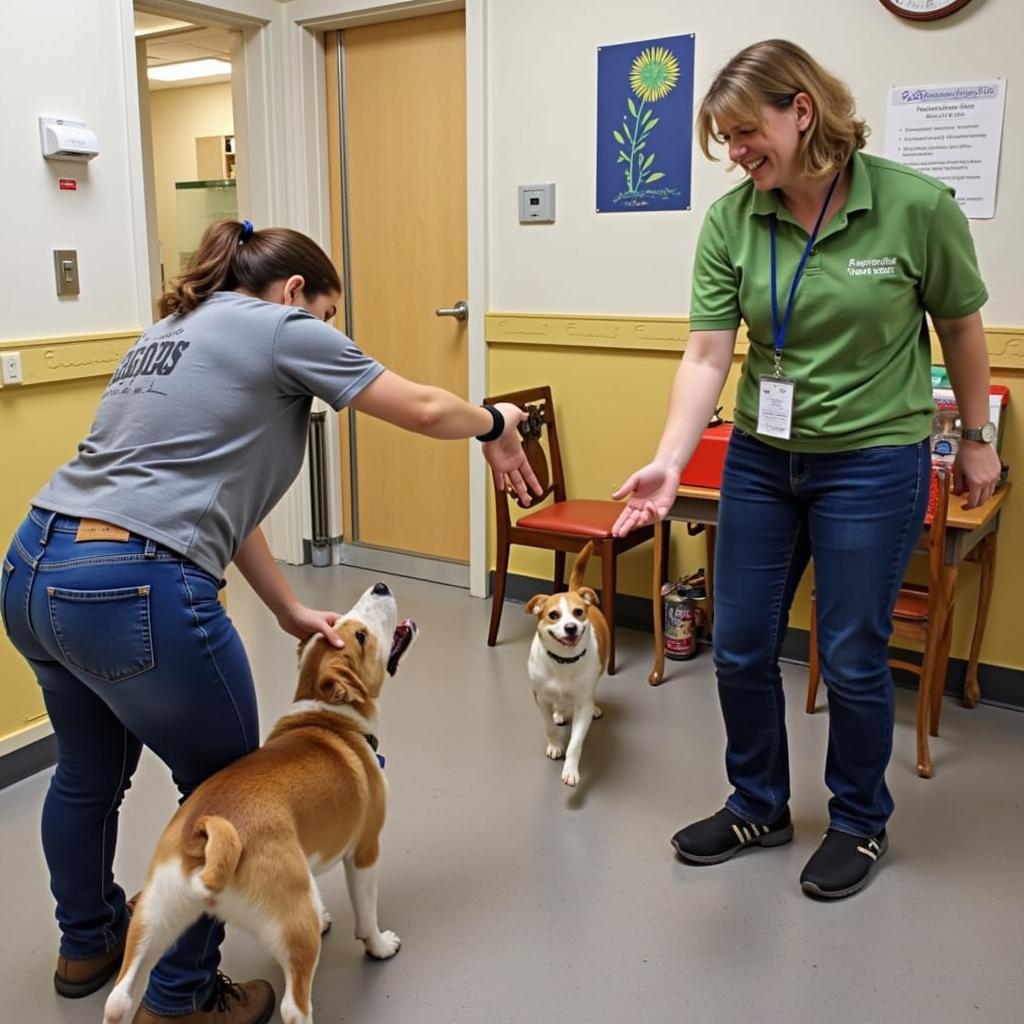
[[497, 429], [986, 433]]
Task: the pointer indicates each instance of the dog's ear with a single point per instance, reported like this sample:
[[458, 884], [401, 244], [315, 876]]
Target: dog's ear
[[588, 596], [303, 645], [338, 684], [535, 604]]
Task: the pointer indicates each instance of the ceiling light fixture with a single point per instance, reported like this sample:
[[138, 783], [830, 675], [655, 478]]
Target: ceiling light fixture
[[205, 68]]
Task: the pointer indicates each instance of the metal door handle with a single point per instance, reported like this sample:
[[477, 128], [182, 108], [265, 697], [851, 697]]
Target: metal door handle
[[460, 310]]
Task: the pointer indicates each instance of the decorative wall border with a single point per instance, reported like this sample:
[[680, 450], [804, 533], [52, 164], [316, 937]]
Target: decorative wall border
[[669, 334], [81, 356], [72, 357]]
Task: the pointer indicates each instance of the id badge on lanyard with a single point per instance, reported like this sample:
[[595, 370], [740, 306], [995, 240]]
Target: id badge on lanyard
[[776, 391], [775, 406]]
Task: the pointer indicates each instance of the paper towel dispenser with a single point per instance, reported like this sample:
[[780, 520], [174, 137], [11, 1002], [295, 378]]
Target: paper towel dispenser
[[64, 139]]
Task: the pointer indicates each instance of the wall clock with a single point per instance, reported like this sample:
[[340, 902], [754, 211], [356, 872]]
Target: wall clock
[[923, 10]]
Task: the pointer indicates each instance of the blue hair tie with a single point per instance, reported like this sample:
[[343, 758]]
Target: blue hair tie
[[247, 230]]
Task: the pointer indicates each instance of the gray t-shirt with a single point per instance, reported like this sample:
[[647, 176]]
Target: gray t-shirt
[[203, 426]]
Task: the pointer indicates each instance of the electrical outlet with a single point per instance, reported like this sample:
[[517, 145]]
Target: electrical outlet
[[11, 364]]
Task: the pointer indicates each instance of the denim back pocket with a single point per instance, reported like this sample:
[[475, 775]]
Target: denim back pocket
[[105, 633], [8, 569]]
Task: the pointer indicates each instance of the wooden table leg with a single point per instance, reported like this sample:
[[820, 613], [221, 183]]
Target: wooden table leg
[[987, 557], [709, 576], [662, 538], [941, 634], [924, 757]]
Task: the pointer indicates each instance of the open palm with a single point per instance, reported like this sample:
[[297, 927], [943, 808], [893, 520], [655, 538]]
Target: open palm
[[649, 492]]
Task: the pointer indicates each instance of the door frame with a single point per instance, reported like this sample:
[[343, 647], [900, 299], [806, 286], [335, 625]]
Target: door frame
[[257, 81], [279, 99], [319, 16]]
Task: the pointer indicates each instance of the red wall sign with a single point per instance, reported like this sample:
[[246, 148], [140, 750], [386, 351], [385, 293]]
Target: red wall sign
[[69, 184]]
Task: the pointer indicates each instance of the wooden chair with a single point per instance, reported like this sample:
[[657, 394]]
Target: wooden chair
[[923, 615], [564, 525]]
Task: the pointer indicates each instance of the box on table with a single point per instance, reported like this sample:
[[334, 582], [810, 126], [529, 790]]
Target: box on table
[[705, 466], [946, 422]]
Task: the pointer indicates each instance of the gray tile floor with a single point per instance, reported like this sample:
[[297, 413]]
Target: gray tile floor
[[519, 900]]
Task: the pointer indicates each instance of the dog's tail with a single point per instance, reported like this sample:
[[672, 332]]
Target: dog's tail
[[576, 579], [217, 842]]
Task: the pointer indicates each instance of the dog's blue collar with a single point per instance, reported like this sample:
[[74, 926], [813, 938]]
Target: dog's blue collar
[[565, 661], [374, 743]]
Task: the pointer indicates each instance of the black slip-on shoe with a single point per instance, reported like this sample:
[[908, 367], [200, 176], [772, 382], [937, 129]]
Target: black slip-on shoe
[[724, 834], [842, 864]]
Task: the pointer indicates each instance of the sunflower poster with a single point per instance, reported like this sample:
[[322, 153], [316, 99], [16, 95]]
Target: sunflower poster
[[645, 125]]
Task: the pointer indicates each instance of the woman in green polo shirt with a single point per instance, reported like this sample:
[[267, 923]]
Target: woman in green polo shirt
[[831, 258]]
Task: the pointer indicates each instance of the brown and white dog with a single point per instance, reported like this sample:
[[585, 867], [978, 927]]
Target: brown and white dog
[[245, 845], [567, 657]]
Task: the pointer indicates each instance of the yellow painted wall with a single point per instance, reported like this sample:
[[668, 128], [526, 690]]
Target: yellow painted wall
[[178, 117], [46, 416], [47, 423], [611, 404]]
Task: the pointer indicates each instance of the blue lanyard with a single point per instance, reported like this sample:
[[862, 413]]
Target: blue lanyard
[[781, 328]]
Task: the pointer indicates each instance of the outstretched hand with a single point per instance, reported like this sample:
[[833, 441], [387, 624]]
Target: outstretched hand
[[650, 492], [506, 457], [302, 622]]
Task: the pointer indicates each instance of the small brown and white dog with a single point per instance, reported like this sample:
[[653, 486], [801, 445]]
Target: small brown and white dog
[[245, 845], [567, 657]]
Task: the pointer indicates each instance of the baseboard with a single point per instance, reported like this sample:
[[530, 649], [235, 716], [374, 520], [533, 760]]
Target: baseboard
[[1000, 687], [27, 760]]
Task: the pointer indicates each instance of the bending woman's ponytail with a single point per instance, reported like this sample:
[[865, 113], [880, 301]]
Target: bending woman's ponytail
[[232, 255]]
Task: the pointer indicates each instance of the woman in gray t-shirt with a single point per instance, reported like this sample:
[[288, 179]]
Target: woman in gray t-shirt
[[110, 584]]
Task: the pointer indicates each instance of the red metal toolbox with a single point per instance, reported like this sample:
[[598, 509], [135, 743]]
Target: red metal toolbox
[[705, 467]]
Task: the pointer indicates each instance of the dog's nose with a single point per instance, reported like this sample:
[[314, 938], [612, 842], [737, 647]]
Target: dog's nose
[[570, 628], [381, 589]]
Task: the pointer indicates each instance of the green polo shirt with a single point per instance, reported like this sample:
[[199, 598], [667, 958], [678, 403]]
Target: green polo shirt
[[857, 345]]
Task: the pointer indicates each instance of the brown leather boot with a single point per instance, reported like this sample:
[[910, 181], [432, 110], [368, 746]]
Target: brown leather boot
[[252, 1002], [76, 978]]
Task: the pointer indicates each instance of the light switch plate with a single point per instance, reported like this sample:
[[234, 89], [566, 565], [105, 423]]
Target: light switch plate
[[537, 204], [65, 266]]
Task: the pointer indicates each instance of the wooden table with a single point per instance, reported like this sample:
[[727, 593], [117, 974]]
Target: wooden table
[[970, 534]]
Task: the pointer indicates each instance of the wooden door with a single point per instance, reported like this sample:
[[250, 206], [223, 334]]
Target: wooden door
[[404, 97]]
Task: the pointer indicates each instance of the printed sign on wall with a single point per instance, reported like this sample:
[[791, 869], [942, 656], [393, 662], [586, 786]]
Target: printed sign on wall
[[952, 132], [645, 125]]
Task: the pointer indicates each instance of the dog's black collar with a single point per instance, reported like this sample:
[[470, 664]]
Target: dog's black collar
[[372, 740], [566, 661]]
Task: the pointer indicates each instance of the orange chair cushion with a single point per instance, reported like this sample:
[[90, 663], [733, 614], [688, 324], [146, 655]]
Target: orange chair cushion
[[581, 517], [911, 604]]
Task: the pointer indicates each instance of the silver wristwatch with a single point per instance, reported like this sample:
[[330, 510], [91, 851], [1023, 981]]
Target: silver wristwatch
[[985, 433]]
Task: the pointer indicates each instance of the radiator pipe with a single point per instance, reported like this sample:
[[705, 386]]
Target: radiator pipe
[[320, 547]]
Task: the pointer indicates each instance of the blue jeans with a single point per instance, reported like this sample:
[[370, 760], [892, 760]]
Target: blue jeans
[[858, 514], [130, 646]]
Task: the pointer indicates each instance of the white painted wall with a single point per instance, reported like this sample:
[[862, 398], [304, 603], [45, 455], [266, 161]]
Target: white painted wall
[[537, 124], [51, 66], [541, 127], [540, 96]]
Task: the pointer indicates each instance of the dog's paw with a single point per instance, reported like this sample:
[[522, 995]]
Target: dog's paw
[[555, 751], [384, 947], [598, 713], [325, 922], [291, 1014], [570, 775], [117, 1007], [558, 718]]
